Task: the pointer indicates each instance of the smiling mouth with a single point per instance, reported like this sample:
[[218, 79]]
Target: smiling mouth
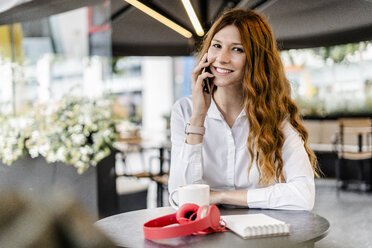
[[223, 71]]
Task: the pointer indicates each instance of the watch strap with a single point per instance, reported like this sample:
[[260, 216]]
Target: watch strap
[[194, 129]]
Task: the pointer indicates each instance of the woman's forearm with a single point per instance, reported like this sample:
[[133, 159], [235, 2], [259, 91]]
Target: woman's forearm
[[232, 197], [194, 139]]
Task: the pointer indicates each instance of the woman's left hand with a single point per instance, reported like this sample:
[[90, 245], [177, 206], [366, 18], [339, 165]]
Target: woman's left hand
[[215, 197], [231, 197]]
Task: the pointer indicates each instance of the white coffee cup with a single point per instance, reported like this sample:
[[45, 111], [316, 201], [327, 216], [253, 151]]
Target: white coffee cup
[[190, 193]]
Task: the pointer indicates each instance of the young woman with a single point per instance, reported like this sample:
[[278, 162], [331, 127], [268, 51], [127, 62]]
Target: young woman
[[245, 138]]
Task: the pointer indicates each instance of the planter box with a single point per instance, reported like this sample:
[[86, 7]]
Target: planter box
[[95, 188]]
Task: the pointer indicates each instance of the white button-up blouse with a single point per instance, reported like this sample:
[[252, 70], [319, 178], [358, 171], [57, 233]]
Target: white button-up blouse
[[222, 160]]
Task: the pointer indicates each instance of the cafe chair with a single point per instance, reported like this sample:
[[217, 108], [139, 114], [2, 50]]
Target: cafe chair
[[121, 157], [131, 189], [162, 175], [354, 150], [132, 194], [157, 171], [146, 171]]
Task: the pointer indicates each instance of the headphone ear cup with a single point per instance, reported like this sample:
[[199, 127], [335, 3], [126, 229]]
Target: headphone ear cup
[[202, 212], [215, 217], [212, 213], [186, 212]]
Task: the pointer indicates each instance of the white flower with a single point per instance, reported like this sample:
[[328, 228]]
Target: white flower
[[85, 150], [44, 149], [61, 153], [77, 128], [34, 152], [72, 130], [107, 132], [12, 140], [78, 139]]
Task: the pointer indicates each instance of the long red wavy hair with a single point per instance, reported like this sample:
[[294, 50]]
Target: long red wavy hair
[[266, 91]]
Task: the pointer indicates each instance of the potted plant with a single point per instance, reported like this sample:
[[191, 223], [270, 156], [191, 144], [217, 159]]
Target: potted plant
[[47, 148]]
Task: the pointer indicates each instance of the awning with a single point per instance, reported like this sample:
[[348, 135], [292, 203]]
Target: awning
[[296, 23]]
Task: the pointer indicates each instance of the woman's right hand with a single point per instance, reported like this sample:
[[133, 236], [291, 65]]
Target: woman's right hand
[[200, 99]]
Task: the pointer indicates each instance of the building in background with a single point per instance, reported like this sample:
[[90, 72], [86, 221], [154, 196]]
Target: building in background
[[71, 54]]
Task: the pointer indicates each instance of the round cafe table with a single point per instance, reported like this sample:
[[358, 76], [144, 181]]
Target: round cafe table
[[125, 230]]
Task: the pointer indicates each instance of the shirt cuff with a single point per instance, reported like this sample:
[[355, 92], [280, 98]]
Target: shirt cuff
[[257, 198], [192, 153]]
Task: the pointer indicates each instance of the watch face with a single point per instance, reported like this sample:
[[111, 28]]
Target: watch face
[[195, 130], [187, 128]]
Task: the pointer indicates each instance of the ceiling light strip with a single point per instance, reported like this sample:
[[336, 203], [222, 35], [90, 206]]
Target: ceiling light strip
[[184, 32], [193, 18]]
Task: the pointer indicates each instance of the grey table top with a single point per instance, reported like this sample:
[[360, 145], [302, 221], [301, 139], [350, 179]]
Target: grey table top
[[126, 230]]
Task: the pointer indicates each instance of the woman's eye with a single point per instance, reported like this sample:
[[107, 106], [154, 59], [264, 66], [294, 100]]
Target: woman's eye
[[238, 49], [216, 45]]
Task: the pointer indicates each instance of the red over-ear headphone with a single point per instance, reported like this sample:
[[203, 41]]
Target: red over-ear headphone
[[191, 218]]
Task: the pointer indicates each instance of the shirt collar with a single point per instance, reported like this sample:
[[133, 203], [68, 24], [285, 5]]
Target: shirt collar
[[214, 113]]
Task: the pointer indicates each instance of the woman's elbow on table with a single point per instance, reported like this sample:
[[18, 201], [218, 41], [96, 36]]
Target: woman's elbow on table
[[308, 204], [300, 203], [293, 196], [305, 198]]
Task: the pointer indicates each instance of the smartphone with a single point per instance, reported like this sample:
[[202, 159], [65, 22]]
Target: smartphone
[[207, 81]]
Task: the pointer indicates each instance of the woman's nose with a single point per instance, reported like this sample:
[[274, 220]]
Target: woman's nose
[[223, 56]]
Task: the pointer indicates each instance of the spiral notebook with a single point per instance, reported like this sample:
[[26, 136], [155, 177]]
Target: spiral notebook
[[255, 225]]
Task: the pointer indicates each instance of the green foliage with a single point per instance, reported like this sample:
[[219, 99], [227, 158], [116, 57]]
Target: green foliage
[[338, 54], [75, 131], [310, 107], [116, 69]]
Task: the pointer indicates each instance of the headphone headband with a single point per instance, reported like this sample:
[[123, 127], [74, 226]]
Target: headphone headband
[[156, 228]]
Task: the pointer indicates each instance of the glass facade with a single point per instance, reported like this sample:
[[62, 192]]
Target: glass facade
[[331, 81], [45, 59]]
